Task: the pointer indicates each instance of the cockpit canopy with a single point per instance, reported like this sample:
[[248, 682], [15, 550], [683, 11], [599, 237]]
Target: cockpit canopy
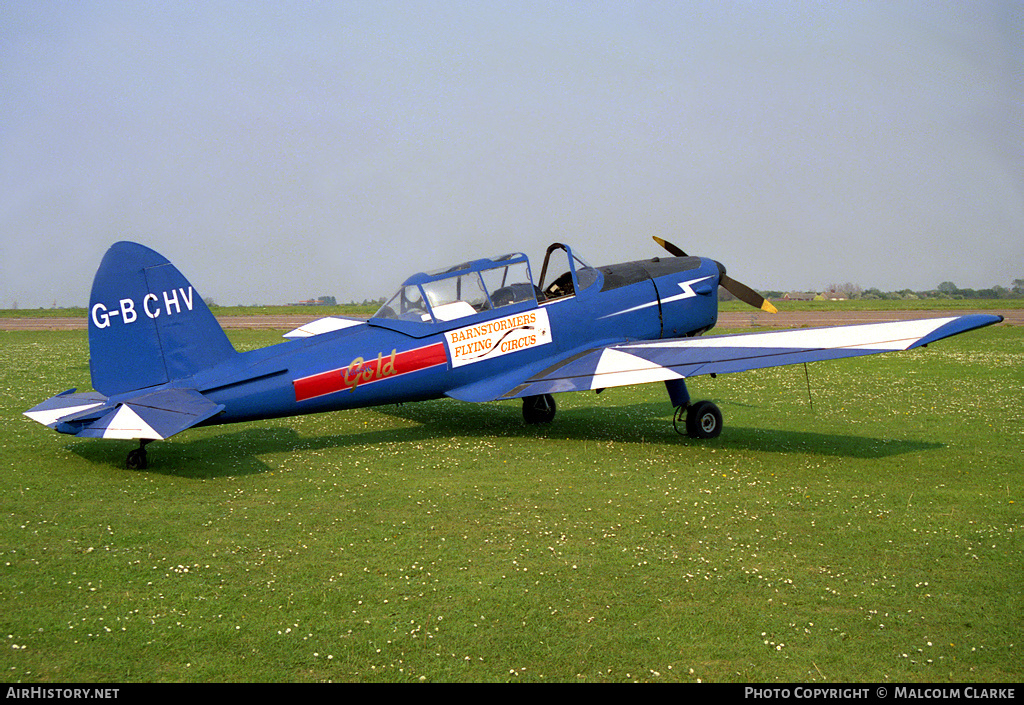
[[462, 290], [486, 285]]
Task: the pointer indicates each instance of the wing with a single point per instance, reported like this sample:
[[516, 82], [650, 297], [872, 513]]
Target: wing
[[655, 361], [153, 415], [324, 325]]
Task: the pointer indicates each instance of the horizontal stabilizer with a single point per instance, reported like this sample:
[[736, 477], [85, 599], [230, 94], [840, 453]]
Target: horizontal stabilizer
[[64, 405], [661, 360], [150, 416], [153, 416]]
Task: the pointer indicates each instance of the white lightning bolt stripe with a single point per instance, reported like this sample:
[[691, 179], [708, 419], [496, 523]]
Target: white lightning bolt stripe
[[688, 293], [687, 287]]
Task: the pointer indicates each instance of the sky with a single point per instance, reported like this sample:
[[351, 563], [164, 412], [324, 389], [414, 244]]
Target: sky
[[280, 151]]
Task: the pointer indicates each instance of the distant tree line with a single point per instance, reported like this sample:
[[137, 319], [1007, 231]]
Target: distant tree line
[[945, 290], [949, 290]]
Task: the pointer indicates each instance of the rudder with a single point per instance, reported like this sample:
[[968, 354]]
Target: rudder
[[147, 324]]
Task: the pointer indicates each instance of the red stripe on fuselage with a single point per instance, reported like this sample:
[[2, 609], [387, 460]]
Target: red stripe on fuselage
[[360, 371]]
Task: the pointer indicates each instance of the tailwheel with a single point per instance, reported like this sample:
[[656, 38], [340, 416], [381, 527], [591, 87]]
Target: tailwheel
[[703, 420], [539, 409], [137, 457]]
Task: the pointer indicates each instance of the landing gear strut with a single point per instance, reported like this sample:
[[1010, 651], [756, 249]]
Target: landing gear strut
[[137, 457], [539, 409]]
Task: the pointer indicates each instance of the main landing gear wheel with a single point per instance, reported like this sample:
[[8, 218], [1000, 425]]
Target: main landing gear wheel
[[703, 420], [539, 409], [137, 457]]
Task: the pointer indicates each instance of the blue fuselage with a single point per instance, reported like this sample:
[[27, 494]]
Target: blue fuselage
[[387, 360]]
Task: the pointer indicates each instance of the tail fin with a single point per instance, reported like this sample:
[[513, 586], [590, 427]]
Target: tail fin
[[147, 324]]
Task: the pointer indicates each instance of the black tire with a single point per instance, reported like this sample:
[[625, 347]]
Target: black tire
[[703, 420], [539, 409], [137, 459]]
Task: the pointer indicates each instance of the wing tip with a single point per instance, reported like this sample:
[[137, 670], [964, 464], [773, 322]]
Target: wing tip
[[960, 324]]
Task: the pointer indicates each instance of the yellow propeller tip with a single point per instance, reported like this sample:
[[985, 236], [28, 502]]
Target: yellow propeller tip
[[767, 306]]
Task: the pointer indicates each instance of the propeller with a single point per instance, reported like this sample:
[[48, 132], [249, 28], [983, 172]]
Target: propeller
[[744, 293], [669, 246], [738, 289]]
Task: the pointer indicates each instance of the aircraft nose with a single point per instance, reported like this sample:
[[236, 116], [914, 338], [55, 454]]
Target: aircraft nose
[[738, 289]]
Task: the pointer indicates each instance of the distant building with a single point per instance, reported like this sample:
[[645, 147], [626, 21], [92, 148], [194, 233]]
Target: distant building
[[321, 301]]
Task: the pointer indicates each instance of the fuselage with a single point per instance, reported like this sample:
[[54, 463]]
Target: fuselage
[[393, 358]]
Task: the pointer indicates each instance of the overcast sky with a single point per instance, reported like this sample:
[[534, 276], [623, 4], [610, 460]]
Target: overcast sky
[[280, 151]]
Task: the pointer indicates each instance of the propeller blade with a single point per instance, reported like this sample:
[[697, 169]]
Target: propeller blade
[[669, 246], [741, 291], [745, 294]]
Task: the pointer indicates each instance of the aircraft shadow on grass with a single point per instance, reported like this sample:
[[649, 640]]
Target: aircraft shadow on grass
[[620, 423], [240, 453]]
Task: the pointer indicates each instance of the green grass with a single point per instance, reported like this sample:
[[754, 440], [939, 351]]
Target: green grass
[[869, 537]]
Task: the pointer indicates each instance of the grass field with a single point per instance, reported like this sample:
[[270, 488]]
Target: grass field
[[867, 534]]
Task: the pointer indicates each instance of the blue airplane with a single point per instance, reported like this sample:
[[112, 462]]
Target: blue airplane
[[477, 331]]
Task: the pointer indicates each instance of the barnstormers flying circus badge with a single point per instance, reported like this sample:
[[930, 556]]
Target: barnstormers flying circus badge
[[498, 337]]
